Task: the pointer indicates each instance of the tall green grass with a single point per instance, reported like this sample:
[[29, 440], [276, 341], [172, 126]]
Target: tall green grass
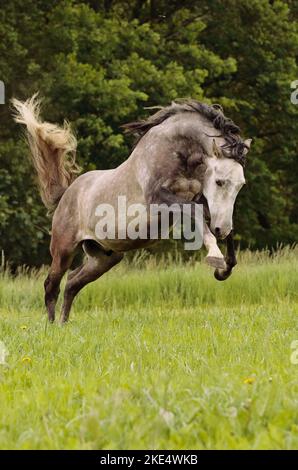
[[158, 354], [144, 283]]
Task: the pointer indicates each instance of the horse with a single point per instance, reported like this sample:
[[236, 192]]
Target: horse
[[185, 153]]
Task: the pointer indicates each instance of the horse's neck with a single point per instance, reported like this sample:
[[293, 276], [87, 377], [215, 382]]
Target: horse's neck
[[189, 126]]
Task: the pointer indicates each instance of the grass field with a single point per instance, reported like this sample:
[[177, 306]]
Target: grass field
[[156, 356]]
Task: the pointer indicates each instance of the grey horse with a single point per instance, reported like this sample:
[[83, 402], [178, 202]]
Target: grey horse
[[185, 153]]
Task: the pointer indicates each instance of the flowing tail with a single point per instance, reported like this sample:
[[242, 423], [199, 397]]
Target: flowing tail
[[53, 151]]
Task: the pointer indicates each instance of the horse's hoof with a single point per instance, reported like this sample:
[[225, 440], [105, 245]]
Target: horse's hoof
[[222, 275], [215, 262]]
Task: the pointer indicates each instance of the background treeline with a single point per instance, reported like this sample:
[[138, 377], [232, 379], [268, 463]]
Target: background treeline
[[99, 63]]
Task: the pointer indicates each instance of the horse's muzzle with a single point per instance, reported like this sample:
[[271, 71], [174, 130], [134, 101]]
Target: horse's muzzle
[[220, 235]]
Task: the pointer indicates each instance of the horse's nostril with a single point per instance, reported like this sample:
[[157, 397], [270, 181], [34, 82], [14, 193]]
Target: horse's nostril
[[217, 231]]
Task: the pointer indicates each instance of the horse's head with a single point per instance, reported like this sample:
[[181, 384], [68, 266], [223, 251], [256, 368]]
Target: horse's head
[[223, 180]]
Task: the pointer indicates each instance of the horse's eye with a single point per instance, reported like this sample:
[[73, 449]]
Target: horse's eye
[[219, 182]]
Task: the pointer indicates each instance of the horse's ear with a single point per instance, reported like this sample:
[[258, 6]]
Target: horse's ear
[[216, 150], [247, 143]]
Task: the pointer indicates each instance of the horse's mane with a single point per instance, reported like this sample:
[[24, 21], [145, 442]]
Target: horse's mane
[[234, 146]]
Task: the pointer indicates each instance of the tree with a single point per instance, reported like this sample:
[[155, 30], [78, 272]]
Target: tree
[[99, 63]]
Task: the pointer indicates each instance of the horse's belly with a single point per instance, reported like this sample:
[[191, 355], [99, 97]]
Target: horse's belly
[[125, 245], [125, 223]]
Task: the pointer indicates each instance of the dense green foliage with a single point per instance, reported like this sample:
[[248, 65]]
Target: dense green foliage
[[99, 63], [155, 357]]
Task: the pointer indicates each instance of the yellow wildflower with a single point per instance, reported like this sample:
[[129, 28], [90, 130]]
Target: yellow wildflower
[[249, 380], [26, 360]]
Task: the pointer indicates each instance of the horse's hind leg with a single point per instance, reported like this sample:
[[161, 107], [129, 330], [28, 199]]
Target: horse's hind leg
[[61, 262], [74, 272], [94, 267]]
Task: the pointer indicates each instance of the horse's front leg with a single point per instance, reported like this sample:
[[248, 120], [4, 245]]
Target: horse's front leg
[[214, 257], [231, 261]]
